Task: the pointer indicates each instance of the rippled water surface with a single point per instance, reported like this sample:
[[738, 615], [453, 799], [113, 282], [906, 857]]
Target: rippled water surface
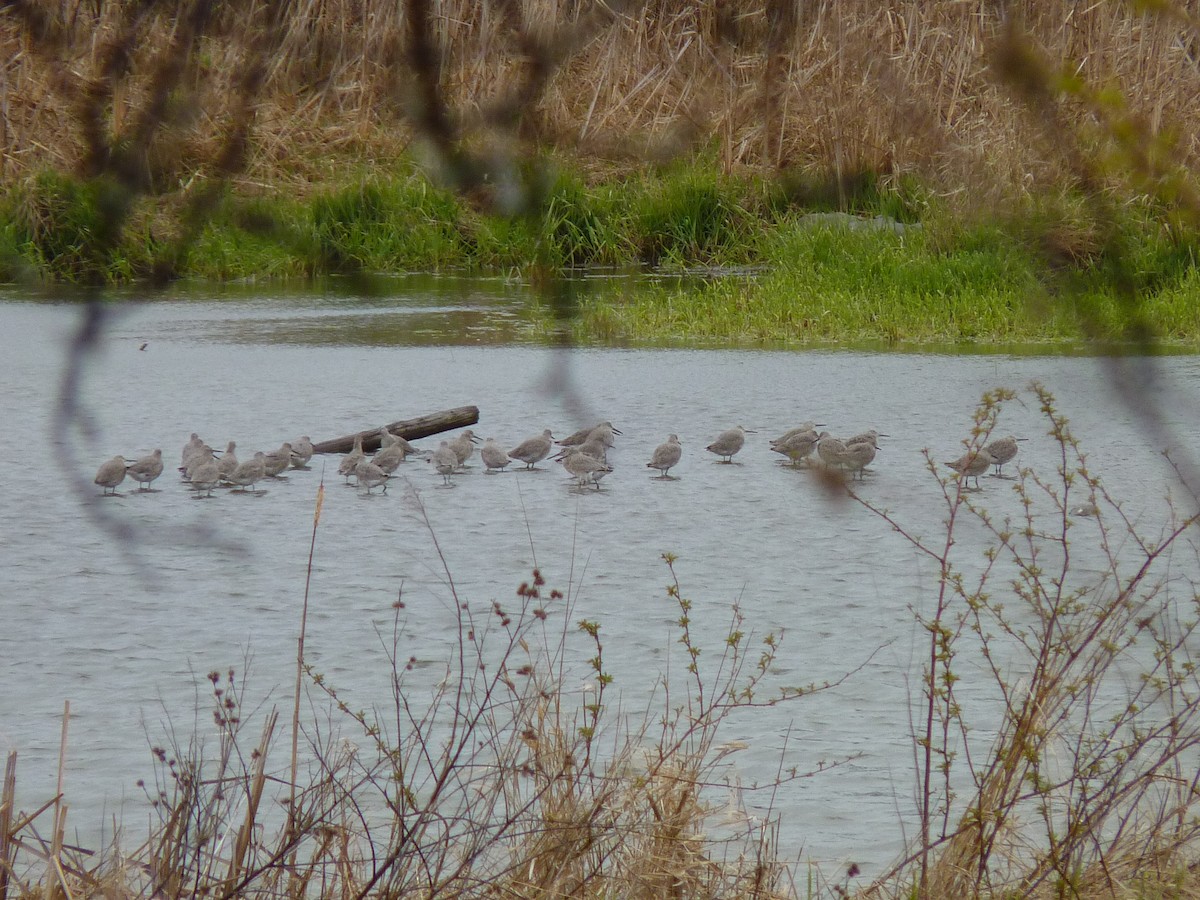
[[126, 634]]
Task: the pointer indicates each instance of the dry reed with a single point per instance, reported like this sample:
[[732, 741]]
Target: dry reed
[[898, 88]]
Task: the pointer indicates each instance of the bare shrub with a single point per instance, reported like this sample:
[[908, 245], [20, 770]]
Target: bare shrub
[[1091, 779]]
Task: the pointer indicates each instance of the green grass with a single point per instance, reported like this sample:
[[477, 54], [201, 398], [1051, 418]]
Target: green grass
[[1060, 269], [830, 285]]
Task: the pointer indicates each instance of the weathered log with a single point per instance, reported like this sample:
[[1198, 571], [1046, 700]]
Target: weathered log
[[409, 429]]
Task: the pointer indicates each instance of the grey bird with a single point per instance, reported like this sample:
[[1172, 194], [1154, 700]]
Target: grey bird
[[277, 461], [857, 456], [584, 468], [228, 461], [972, 464], [802, 428], [145, 470], [602, 431], [197, 459], [728, 443], [110, 474], [798, 445], [352, 459], [493, 455], [867, 437], [666, 456], [302, 452], [206, 477], [249, 473], [370, 475], [533, 450], [444, 460], [593, 447], [1002, 450], [389, 458], [831, 450], [189, 448], [463, 446], [387, 440]]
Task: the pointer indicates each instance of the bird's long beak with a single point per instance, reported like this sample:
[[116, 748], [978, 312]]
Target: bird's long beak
[[617, 431]]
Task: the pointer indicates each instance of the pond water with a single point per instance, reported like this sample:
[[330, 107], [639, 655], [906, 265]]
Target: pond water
[[127, 631]]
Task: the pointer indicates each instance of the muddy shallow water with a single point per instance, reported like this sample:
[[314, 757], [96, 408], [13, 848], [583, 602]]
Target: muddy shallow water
[[126, 631]]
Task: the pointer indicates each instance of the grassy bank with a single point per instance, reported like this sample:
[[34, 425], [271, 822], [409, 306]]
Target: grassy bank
[[774, 263], [827, 284], [249, 142]]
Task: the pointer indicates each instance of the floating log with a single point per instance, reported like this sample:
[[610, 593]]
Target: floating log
[[409, 429]]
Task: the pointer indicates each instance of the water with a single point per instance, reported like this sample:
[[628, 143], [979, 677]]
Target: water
[[126, 633]]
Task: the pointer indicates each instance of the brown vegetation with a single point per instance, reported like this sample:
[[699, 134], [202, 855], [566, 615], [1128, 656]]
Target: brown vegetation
[[922, 88]]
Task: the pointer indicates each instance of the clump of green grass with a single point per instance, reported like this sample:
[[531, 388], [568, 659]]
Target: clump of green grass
[[70, 228], [691, 215], [948, 282], [386, 226]]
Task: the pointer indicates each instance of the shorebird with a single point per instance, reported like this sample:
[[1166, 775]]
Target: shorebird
[[352, 459], [463, 446], [583, 467], [228, 461], [249, 473], [666, 455], [110, 474], [493, 455], [533, 450], [145, 470], [302, 452], [277, 461], [602, 431], [389, 458], [867, 437], [189, 448], [728, 443], [370, 475], [831, 450], [1002, 450], [207, 476], [197, 459], [802, 428], [857, 456], [445, 460], [593, 447], [972, 464], [798, 445], [387, 439]]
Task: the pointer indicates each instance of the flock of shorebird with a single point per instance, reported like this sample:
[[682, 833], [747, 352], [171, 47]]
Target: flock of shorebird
[[583, 455]]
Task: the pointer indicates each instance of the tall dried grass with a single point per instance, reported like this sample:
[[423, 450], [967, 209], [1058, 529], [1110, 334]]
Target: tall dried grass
[[905, 87]]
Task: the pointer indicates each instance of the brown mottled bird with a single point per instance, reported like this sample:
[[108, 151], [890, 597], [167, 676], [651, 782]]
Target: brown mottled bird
[[533, 450], [972, 464], [666, 456], [1002, 450], [110, 474]]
